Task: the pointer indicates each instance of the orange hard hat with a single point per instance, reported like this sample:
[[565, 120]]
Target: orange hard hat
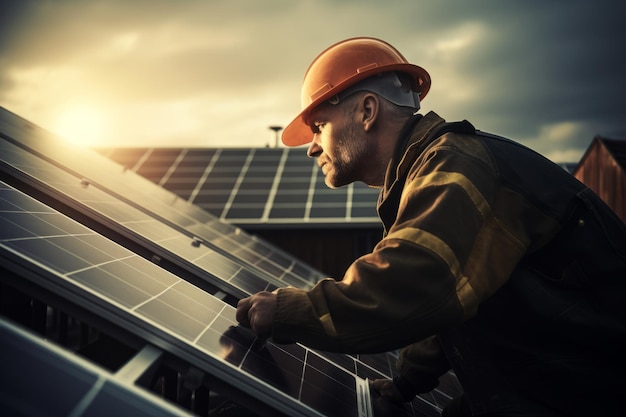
[[342, 65]]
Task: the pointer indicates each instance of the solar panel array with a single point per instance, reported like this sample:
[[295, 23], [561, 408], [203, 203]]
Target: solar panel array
[[136, 291], [263, 272], [119, 266], [257, 186]]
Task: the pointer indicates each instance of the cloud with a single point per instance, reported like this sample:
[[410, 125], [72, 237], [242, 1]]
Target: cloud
[[219, 73]]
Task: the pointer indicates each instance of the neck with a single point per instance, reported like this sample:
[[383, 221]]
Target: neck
[[387, 139]]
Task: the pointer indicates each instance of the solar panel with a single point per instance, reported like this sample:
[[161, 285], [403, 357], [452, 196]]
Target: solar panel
[[258, 186], [161, 204], [66, 256], [65, 385], [169, 243]]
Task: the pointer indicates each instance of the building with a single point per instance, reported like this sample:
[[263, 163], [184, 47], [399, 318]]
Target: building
[[603, 169]]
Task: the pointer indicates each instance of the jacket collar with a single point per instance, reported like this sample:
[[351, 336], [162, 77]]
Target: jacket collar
[[411, 141]]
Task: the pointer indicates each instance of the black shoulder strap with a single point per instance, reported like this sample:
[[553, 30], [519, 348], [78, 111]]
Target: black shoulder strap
[[463, 127]]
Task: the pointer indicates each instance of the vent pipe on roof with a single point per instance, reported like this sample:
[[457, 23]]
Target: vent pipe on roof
[[276, 129]]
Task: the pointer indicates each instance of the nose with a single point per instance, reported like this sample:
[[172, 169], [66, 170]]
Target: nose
[[314, 148]]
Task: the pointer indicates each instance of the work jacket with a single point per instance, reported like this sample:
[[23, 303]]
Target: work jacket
[[494, 261]]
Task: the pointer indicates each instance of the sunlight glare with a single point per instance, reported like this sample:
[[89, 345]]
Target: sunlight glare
[[81, 125]]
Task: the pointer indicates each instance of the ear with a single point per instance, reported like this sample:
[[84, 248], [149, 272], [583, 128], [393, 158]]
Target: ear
[[370, 105]]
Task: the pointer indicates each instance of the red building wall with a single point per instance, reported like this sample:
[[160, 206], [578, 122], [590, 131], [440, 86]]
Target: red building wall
[[603, 174]]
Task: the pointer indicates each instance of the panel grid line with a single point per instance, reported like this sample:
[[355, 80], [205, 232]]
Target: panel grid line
[[237, 185], [89, 397], [142, 159], [205, 176], [272, 195], [306, 358], [154, 297], [91, 266], [349, 195], [172, 168], [208, 326], [311, 193]]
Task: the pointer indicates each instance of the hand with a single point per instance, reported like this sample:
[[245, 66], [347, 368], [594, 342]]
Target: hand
[[257, 312], [387, 390]]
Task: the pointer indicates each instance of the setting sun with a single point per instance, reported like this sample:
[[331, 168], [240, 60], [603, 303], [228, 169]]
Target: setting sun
[[82, 125]]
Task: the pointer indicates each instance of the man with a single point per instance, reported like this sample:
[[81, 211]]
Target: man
[[494, 261]]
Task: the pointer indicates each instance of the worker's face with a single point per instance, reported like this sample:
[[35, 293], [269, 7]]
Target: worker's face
[[338, 143]]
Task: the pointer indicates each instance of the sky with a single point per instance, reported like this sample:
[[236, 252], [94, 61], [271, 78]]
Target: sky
[[192, 73]]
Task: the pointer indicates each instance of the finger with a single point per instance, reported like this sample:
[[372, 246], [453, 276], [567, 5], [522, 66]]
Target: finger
[[256, 323], [376, 383], [380, 385], [387, 389], [243, 306]]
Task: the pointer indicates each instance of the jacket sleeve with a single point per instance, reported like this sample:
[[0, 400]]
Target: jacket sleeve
[[419, 367], [456, 237], [385, 301]]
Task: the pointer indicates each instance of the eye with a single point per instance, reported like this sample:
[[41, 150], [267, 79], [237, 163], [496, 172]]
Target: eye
[[317, 127]]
